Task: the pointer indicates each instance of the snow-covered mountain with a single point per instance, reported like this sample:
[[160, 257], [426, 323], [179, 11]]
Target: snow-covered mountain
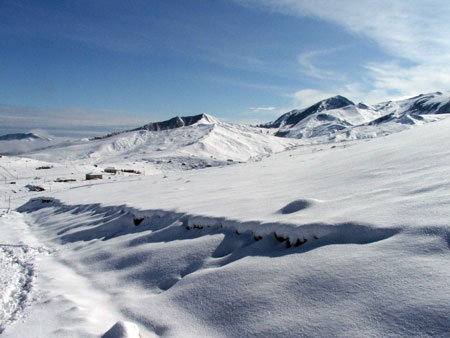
[[413, 110], [338, 118], [180, 143], [290, 119]]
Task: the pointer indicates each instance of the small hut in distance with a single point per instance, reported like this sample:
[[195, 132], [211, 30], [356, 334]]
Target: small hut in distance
[[94, 176], [110, 170]]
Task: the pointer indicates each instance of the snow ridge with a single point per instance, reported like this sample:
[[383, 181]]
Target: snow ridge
[[173, 123], [134, 221]]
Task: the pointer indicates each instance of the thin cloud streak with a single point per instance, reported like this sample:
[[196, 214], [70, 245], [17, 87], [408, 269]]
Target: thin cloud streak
[[307, 62], [257, 109]]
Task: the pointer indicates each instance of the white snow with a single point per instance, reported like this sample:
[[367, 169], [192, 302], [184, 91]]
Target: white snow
[[331, 239]]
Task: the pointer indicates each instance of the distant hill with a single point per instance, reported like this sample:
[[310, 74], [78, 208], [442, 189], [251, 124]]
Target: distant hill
[[20, 143], [21, 136]]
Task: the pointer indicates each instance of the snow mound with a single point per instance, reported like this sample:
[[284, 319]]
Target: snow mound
[[123, 330]]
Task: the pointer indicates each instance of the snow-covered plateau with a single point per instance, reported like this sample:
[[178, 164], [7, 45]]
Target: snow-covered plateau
[[330, 221]]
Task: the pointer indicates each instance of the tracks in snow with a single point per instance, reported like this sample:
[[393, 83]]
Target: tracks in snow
[[16, 279]]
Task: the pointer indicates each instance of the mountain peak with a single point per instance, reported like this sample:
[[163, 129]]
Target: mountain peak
[[173, 123], [293, 117], [335, 102], [177, 122]]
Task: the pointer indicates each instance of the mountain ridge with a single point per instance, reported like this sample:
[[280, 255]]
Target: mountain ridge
[[172, 123], [338, 114], [296, 115]]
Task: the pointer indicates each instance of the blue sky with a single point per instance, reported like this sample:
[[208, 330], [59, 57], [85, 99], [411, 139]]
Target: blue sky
[[87, 67]]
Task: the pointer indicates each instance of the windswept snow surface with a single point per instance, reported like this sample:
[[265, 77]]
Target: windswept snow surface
[[344, 239]]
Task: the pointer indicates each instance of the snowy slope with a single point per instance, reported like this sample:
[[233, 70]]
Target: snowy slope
[[323, 240]]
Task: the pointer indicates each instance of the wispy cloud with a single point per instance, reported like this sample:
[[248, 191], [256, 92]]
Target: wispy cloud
[[308, 65], [258, 109], [65, 121], [414, 33]]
